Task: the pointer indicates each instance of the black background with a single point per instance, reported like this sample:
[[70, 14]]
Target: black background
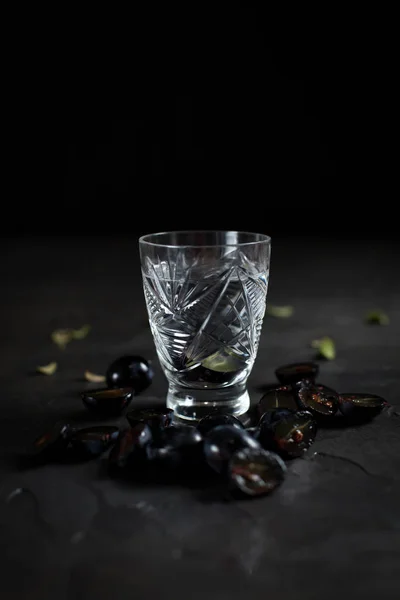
[[214, 116], [227, 128]]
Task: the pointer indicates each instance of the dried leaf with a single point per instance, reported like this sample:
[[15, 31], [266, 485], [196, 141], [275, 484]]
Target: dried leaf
[[280, 312], [62, 337], [94, 378], [49, 369], [326, 347], [80, 334], [377, 317]]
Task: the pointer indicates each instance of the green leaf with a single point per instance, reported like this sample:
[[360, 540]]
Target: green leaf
[[280, 312], [326, 347], [377, 317], [224, 361], [80, 334], [61, 337]]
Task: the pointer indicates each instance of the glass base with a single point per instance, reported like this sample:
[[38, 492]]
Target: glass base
[[194, 404]]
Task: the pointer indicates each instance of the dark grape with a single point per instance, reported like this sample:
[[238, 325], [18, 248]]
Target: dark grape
[[107, 402], [215, 420], [130, 371], [279, 397], [157, 418], [320, 400], [295, 372], [93, 441], [222, 442], [176, 448], [360, 408], [53, 443], [287, 432], [256, 472], [130, 448]]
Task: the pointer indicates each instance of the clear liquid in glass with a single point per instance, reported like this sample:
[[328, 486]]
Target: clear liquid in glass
[[206, 326]]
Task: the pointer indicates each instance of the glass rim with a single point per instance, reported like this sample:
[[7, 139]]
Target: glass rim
[[266, 239]]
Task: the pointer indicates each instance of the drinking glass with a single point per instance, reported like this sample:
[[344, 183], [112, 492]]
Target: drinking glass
[[205, 294]]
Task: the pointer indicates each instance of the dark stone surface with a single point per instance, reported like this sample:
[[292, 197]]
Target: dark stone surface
[[70, 532]]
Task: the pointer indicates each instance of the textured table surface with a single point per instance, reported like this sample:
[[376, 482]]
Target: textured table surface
[[70, 532]]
